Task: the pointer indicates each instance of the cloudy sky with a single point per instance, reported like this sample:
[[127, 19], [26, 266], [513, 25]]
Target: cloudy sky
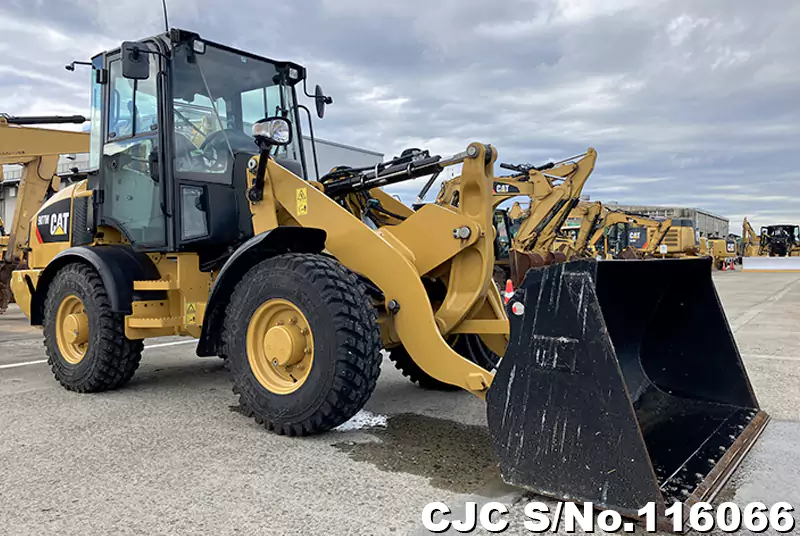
[[687, 103]]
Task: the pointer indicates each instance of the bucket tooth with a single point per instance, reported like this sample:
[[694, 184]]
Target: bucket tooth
[[621, 385]]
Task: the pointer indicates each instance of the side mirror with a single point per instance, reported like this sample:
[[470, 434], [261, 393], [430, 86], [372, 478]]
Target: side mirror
[[321, 100], [272, 131], [135, 61]]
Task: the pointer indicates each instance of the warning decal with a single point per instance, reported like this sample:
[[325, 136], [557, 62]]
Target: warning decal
[[191, 314], [302, 201]]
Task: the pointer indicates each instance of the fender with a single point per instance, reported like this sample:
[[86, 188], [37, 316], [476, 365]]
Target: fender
[[118, 266], [262, 246]]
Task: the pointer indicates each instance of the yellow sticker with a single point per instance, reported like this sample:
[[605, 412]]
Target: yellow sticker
[[302, 201], [191, 314]]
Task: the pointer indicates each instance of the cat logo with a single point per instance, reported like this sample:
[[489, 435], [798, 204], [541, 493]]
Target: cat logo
[[58, 223], [500, 188]]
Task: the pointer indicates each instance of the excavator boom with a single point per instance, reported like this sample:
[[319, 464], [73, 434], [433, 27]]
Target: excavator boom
[[37, 150]]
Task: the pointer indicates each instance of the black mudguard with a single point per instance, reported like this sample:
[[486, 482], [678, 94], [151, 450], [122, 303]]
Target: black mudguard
[[262, 246], [622, 384], [118, 266]]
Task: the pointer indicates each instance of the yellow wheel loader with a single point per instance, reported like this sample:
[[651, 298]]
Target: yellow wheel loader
[[298, 284], [37, 150]]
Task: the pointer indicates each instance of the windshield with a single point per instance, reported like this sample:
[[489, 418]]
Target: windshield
[[216, 100]]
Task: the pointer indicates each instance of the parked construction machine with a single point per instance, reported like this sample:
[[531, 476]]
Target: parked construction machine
[[581, 224], [780, 241], [750, 245], [37, 150], [723, 251], [554, 189], [629, 236], [298, 284]]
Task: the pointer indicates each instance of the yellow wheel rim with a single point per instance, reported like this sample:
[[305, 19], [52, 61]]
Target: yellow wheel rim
[[280, 347], [72, 329]]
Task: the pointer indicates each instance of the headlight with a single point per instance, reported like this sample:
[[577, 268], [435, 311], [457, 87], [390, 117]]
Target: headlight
[[276, 130]]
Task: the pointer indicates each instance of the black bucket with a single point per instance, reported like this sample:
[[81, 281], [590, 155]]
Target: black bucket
[[622, 384]]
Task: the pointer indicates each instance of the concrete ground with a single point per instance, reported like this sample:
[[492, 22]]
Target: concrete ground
[[170, 454]]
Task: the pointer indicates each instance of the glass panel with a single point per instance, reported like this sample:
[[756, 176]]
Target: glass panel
[[217, 98], [193, 212], [145, 101], [133, 105], [503, 240], [120, 106], [254, 107], [132, 197], [195, 122], [96, 132]]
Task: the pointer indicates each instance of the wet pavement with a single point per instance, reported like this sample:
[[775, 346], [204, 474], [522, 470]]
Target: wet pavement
[[167, 454]]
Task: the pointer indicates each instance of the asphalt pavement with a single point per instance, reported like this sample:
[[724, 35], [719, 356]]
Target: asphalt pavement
[[171, 454]]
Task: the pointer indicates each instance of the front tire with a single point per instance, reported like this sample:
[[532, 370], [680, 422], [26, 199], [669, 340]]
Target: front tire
[[84, 339], [302, 344]]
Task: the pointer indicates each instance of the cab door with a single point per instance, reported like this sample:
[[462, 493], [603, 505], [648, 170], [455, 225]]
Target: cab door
[[130, 169]]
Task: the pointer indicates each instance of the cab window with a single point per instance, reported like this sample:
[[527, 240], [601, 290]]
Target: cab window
[[132, 106]]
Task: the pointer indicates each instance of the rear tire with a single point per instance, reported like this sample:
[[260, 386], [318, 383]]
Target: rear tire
[[469, 346], [108, 359], [342, 334]]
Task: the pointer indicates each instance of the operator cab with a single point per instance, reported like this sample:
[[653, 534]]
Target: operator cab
[[171, 135], [778, 240]]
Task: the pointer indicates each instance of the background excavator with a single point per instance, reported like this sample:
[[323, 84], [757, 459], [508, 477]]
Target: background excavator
[[298, 285], [623, 235], [38, 151], [750, 245], [576, 234], [553, 189]]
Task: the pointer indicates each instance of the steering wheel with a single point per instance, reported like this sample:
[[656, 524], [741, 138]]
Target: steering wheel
[[215, 146], [184, 158]]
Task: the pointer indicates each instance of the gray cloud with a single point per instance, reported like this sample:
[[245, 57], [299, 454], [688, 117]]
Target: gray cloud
[[690, 103]]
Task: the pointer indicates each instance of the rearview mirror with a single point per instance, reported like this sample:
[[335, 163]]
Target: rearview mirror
[[321, 100], [272, 131], [135, 61]]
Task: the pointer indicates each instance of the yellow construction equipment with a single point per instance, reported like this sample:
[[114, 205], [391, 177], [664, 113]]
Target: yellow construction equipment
[[576, 233], [516, 212], [38, 151], [623, 235], [721, 250], [780, 241], [750, 245], [553, 189], [298, 284]]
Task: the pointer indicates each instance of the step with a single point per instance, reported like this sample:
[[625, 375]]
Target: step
[[156, 284], [154, 322]]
